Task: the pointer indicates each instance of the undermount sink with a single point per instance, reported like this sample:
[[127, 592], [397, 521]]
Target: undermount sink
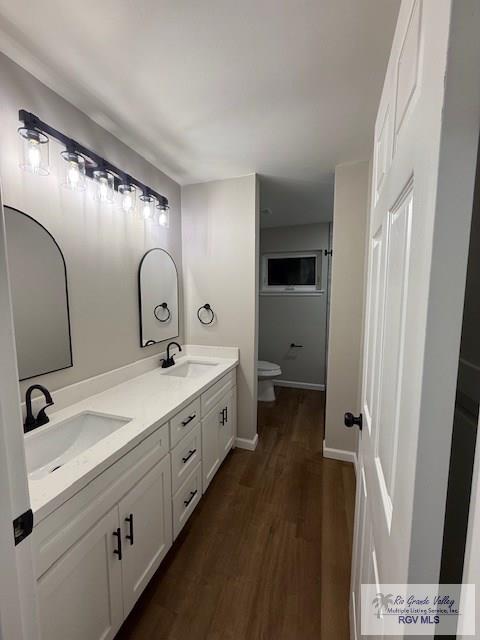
[[50, 448], [190, 369]]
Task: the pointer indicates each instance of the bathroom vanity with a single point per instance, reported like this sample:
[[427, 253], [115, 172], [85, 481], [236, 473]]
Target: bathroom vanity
[[113, 480]]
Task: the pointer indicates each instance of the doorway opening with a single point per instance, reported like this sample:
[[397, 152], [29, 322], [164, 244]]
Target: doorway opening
[[294, 292]]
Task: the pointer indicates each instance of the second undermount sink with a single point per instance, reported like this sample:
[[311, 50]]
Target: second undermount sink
[[190, 369], [50, 448]]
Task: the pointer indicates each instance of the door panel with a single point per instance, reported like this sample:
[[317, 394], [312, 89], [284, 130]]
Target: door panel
[[357, 554], [393, 329], [80, 596], [146, 521], [408, 68], [373, 333]]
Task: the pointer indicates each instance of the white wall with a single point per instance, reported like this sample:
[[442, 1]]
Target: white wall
[[102, 246], [220, 265], [301, 319], [350, 216]]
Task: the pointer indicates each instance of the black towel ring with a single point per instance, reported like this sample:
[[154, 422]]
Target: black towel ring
[[163, 306], [207, 307]]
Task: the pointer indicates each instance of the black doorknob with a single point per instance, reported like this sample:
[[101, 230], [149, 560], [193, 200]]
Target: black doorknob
[[350, 420]]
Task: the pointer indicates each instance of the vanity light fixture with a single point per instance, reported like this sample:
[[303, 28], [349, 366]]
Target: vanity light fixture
[[104, 185], [81, 162], [35, 151], [128, 195], [75, 170], [164, 215], [148, 205]]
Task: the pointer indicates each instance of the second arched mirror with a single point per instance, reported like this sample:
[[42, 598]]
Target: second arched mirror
[[158, 297]]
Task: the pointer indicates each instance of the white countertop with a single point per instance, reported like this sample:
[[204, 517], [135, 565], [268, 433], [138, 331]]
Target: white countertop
[[148, 401]]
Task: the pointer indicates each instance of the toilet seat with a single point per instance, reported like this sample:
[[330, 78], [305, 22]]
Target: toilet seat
[[268, 369]]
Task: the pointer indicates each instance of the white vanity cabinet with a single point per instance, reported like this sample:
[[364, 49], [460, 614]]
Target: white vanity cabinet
[[219, 418], [80, 596], [91, 588], [202, 434], [95, 554], [90, 569], [146, 529]]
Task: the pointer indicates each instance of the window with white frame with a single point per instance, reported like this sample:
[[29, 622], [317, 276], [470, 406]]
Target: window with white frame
[[295, 272]]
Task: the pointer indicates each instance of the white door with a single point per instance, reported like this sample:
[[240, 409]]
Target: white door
[[18, 608], [80, 596], [146, 522], [422, 188]]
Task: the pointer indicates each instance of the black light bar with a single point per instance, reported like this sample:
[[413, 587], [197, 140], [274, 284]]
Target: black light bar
[[92, 160]]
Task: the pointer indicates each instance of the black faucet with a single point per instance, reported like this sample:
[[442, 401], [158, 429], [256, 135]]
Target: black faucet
[[30, 421], [169, 362]]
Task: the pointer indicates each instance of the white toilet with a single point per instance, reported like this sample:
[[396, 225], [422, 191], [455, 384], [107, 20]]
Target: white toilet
[[266, 372]]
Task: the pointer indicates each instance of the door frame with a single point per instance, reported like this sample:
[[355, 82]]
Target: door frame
[[18, 605]]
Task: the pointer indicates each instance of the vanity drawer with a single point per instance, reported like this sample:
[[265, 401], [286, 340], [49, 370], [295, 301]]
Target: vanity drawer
[[184, 422], [186, 499], [185, 457], [216, 391]]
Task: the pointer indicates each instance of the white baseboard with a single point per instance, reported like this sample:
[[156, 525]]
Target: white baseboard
[[245, 443], [299, 385], [340, 454]]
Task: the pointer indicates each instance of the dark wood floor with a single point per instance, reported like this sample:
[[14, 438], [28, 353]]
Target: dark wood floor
[[266, 554]]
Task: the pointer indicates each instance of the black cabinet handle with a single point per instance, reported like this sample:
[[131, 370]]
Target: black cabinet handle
[[189, 419], [129, 535], [118, 550], [222, 417], [350, 420], [192, 496], [191, 453]]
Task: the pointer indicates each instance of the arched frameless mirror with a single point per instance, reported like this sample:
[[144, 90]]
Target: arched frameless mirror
[[158, 297], [38, 279]]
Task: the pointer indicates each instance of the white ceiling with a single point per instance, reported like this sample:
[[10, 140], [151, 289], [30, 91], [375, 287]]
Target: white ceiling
[[219, 88]]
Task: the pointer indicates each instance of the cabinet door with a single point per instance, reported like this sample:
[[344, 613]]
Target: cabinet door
[[146, 523], [211, 443], [80, 596], [228, 424]]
